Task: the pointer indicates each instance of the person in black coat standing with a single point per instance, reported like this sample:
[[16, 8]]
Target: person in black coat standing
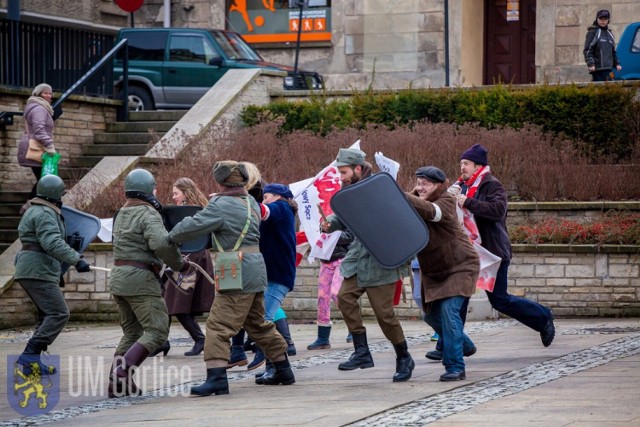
[[600, 48]]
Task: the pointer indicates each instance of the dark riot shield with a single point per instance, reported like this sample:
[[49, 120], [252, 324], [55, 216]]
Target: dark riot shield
[[81, 229], [172, 215], [378, 213]]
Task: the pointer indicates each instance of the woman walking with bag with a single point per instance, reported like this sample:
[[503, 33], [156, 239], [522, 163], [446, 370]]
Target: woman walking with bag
[[38, 120]]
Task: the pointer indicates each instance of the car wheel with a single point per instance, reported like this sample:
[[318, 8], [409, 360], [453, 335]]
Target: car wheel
[[140, 99]]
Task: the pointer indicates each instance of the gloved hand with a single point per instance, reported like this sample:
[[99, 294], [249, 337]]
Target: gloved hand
[[185, 266], [83, 266]]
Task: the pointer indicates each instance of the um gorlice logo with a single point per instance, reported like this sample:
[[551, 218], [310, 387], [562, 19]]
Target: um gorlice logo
[[29, 390]]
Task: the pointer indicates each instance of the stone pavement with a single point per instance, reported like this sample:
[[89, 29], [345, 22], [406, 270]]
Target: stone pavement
[[589, 376]]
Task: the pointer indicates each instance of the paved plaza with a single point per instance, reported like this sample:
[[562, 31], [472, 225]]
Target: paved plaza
[[589, 376]]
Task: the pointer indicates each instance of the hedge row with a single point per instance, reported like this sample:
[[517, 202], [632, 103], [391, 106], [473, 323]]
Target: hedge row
[[605, 117]]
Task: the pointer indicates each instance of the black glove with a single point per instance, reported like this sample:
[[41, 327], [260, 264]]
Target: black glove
[[185, 266], [83, 266]]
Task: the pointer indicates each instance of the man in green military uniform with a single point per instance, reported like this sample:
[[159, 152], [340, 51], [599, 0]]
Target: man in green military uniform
[[140, 247], [362, 274], [38, 268]]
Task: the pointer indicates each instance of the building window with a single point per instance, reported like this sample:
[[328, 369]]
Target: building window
[[278, 21]]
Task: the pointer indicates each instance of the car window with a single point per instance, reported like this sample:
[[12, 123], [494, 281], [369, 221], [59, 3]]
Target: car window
[[235, 47], [190, 48], [635, 45], [145, 46]]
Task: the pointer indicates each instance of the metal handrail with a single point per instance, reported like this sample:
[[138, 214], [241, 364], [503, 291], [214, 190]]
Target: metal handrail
[[6, 117]]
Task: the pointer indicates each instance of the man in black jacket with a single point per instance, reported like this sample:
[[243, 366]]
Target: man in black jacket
[[486, 198]]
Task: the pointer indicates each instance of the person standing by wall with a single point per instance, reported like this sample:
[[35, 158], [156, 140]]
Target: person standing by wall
[[486, 198], [38, 267], [600, 48], [38, 120], [362, 274]]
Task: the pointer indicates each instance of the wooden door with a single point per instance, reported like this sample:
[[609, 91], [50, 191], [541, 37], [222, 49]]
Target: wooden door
[[510, 46]]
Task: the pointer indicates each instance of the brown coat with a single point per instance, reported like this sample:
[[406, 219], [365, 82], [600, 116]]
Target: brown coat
[[199, 299], [448, 264]]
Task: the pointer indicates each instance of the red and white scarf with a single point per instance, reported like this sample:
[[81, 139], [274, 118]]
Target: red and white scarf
[[474, 181]]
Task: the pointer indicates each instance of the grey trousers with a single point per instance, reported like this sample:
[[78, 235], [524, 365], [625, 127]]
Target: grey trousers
[[53, 312]]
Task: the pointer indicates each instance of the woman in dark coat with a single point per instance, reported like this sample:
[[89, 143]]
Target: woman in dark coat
[[193, 297], [449, 268]]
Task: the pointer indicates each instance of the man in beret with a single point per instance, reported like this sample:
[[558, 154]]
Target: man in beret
[[449, 268], [486, 198], [362, 274]]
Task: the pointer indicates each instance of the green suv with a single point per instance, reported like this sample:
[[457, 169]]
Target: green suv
[[174, 67]]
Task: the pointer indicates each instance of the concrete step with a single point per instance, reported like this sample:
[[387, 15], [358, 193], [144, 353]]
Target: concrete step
[[8, 235], [157, 126], [148, 116], [122, 138], [115, 149], [14, 196], [10, 209], [10, 221]]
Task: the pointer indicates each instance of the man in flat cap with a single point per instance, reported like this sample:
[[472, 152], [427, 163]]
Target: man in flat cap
[[449, 268], [362, 274]]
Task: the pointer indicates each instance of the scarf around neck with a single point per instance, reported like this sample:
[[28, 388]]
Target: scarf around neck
[[474, 181], [41, 101]]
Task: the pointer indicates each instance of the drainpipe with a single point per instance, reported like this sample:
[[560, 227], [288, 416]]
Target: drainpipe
[[446, 43], [15, 66], [13, 11], [167, 14]]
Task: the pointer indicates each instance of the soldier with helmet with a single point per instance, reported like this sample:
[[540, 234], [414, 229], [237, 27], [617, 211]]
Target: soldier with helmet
[[140, 246], [38, 268]]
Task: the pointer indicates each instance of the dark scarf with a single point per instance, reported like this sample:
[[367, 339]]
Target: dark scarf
[[147, 198]]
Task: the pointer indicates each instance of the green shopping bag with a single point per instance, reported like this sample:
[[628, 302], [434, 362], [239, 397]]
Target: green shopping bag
[[50, 164]]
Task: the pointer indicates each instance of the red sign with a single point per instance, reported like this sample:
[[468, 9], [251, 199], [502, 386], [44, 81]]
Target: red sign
[[129, 5]]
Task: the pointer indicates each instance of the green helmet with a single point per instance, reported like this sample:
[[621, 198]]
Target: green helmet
[[51, 187], [140, 180]]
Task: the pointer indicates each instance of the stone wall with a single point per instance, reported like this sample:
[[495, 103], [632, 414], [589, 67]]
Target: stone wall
[[574, 281], [82, 118]]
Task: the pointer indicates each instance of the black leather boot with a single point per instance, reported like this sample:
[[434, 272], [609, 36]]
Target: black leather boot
[[361, 357], [269, 369], [115, 388], [122, 375], [282, 326], [190, 324], [216, 383], [164, 348], [404, 363], [282, 374]]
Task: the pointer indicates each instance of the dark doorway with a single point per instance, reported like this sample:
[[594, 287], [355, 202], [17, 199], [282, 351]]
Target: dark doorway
[[510, 46]]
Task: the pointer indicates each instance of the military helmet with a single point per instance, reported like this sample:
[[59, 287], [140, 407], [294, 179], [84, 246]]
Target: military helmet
[[140, 180], [51, 187]]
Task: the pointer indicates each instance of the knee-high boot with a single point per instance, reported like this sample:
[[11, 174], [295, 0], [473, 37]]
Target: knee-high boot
[[282, 326], [123, 374], [190, 324]]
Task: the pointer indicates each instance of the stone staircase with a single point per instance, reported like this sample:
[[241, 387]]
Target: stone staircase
[[130, 138]]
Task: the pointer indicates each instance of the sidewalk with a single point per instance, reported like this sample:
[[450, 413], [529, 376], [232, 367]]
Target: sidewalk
[[590, 375]]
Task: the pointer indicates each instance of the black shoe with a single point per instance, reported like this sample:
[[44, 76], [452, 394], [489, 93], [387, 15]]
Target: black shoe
[[269, 370], [434, 355], [281, 374], [164, 348], [404, 363], [216, 383], [361, 357], [548, 333], [453, 376], [198, 347]]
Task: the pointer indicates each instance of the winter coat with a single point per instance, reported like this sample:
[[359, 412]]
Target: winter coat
[[449, 265], [196, 301], [226, 216], [42, 224], [600, 48], [278, 243], [40, 125], [489, 208], [139, 235]]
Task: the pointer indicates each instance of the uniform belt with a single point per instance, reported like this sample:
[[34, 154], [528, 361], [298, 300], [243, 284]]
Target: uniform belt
[[138, 264], [34, 247]]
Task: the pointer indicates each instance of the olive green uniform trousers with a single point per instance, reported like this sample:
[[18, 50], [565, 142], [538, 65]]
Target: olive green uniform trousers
[[143, 318], [232, 311], [381, 300]]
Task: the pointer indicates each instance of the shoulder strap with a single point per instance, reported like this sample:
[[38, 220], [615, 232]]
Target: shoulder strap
[[242, 234]]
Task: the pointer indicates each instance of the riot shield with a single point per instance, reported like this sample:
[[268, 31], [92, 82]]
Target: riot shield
[[378, 213], [172, 215], [81, 228]]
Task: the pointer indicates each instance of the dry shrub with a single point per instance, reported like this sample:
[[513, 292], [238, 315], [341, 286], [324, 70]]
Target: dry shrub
[[532, 165]]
